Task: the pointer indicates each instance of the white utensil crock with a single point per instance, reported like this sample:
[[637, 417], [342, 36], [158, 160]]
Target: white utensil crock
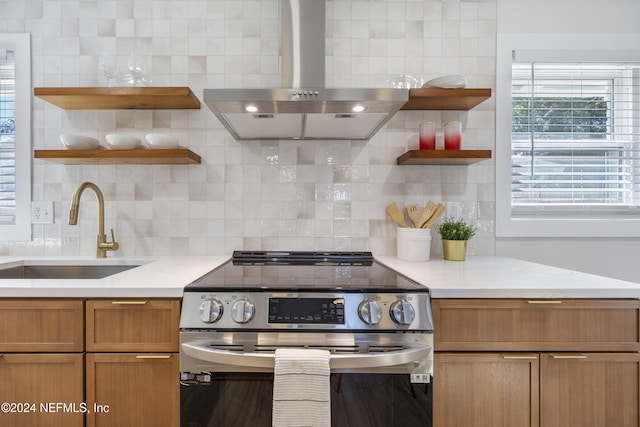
[[414, 244]]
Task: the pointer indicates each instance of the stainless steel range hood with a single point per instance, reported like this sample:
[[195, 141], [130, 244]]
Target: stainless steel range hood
[[303, 108]]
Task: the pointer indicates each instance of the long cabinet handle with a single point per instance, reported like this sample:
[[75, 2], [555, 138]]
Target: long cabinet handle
[[337, 361], [153, 356], [130, 302], [519, 356], [537, 301], [568, 356]]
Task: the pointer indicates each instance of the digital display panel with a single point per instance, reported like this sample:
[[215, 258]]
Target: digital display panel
[[307, 310]]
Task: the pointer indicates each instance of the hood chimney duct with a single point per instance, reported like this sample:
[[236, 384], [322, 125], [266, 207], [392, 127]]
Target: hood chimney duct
[[303, 43]]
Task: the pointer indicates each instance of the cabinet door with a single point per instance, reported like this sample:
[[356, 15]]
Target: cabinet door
[[590, 390], [44, 390], [485, 390], [536, 325], [133, 325], [32, 325], [132, 390]]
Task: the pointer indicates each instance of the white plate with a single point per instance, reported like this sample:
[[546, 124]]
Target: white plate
[[447, 82], [79, 142]]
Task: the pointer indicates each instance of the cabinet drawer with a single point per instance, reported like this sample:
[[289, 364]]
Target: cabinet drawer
[[31, 325], [133, 325], [536, 325]]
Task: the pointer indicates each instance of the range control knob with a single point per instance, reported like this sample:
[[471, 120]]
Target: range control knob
[[370, 312], [211, 310], [242, 311], [402, 312]]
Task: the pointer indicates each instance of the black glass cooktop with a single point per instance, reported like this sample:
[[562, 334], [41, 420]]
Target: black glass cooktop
[[304, 271]]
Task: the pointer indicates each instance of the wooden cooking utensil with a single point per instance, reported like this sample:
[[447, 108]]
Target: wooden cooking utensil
[[440, 208], [415, 212], [396, 215], [427, 212]]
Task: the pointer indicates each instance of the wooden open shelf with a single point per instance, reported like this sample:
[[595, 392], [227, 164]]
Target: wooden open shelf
[[443, 157], [433, 98], [178, 156], [119, 98]]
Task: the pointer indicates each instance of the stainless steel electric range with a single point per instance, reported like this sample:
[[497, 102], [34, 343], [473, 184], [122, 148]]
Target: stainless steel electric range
[[375, 322]]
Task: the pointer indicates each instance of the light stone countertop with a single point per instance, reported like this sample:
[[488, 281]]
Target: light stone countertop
[[157, 277], [477, 277], [501, 277]]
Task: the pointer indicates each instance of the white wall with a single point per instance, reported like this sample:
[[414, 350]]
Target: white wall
[[568, 16], [609, 257]]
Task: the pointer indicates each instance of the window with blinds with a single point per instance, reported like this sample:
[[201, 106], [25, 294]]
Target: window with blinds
[[575, 138], [15, 136], [7, 138]]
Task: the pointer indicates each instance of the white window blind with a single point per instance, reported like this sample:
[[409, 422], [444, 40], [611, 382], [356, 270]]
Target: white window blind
[[7, 138], [575, 138], [15, 136]]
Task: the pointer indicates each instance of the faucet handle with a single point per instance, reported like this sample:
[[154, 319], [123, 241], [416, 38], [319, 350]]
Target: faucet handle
[[114, 245], [104, 245]]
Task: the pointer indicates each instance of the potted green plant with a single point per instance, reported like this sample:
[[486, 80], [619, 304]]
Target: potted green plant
[[455, 233]]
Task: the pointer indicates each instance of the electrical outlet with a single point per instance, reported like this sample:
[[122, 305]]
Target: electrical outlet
[[454, 209], [42, 212]]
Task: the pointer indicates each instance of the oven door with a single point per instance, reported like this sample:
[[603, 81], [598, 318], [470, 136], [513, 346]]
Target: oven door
[[376, 379]]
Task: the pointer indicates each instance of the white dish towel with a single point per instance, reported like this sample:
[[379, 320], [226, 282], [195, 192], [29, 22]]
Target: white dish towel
[[301, 393]]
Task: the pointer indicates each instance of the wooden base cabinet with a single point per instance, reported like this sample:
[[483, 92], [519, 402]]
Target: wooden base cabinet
[[133, 390], [570, 363], [43, 390], [128, 377]]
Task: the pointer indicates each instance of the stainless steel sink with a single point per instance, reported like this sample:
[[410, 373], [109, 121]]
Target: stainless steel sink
[[62, 271]]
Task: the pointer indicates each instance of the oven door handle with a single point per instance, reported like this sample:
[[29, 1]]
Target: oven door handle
[[336, 361]]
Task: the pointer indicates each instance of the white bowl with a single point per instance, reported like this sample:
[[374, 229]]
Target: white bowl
[[122, 142], [451, 81], [79, 142], [161, 140]]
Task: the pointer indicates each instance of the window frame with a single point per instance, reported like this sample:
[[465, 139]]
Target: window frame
[[20, 43], [550, 47]]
